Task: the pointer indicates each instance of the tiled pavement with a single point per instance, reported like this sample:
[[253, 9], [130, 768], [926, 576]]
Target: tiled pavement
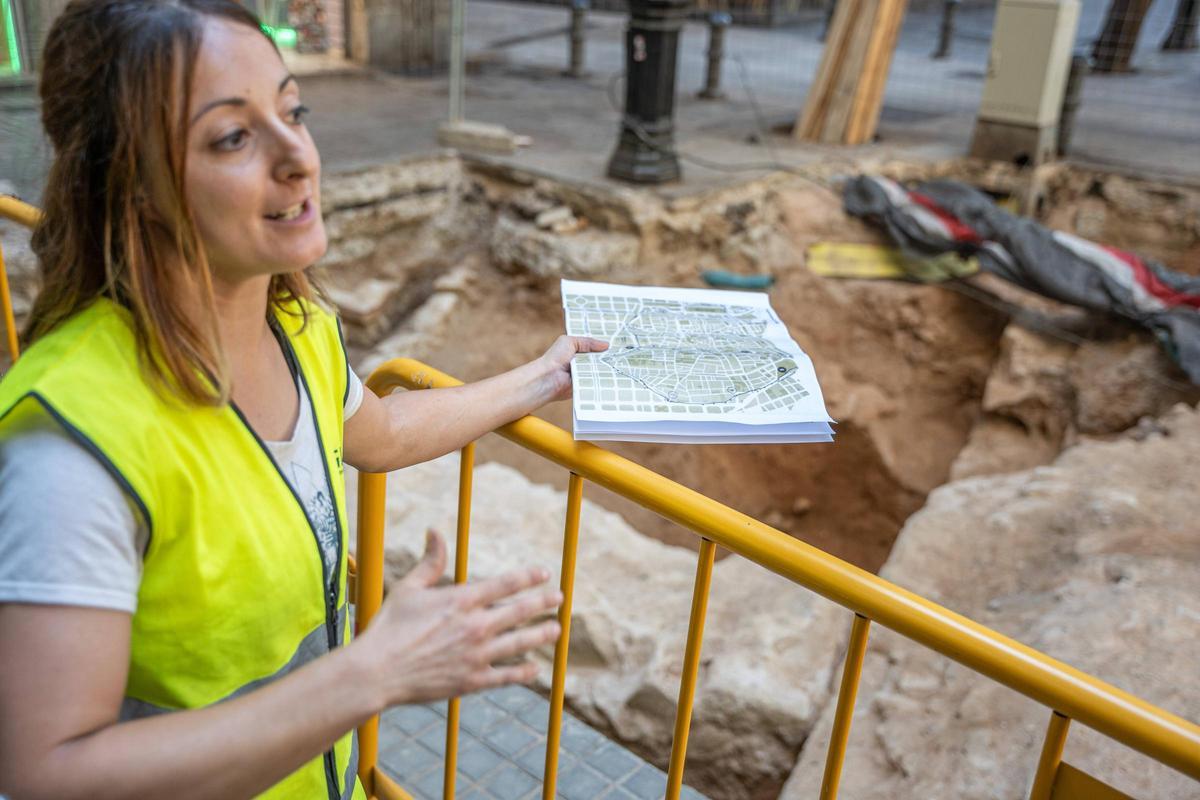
[[502, 751]]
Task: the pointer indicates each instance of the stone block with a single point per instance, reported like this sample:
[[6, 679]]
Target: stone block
[[581, 783], [385, 216], [510, 738], [475, 758], [375, 184], [614, 762], [360, 303], [520, 247], [346, 253], [510, 783]]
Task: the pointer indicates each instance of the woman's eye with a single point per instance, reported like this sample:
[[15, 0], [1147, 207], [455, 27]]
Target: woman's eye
[[233, 141], [298, 113]]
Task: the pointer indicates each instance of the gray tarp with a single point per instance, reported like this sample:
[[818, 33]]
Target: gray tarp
[[942, 216]]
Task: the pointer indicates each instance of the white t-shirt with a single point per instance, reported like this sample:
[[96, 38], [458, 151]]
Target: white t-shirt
[[70, 535]]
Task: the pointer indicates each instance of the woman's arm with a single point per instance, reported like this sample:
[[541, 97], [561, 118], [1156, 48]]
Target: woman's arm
[[63, 672], [411, 427]]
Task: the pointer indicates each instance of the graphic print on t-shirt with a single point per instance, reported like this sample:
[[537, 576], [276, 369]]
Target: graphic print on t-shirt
[[319, 508]]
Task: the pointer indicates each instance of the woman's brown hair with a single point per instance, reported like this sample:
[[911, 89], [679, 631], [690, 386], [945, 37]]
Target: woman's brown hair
[[115, 92]]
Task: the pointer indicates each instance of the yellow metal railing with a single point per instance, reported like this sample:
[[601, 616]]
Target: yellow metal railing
[[1069, 693], [23, 214]]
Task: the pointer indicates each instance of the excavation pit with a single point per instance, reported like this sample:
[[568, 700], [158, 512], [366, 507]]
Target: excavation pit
[[464, 275]]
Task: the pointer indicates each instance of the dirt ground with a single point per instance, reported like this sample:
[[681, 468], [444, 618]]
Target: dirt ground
[[904, 367], [912, 373]]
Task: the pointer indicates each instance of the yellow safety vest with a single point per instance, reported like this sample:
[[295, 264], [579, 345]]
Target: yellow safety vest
[[233, 592]]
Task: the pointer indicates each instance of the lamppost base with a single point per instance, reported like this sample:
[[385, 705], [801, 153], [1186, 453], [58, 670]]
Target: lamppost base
[[645, 151], [638, 161]]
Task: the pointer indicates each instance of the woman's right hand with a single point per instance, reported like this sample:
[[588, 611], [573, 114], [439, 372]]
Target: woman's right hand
[[432, 642]]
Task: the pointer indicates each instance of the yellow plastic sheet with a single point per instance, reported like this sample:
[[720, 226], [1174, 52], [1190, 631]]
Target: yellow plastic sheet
[[840, 260]]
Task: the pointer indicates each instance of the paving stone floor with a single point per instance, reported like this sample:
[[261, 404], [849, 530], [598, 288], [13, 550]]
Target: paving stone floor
[[502, 750]]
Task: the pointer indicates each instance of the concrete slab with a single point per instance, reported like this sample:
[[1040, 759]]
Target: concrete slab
[[1147, 122]]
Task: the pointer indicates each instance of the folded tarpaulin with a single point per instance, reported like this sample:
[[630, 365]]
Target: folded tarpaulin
[[944, 216]]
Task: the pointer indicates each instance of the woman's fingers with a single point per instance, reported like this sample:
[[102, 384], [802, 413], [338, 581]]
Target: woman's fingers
[[432, 564], [521, 609], [502, 676], [586, 344], [491, 590], [520, 641]]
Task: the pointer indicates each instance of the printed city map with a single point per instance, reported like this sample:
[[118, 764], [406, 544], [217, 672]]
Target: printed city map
[[688, 355]]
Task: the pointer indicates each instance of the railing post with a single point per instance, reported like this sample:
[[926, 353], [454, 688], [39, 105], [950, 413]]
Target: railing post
[[1052, 750], [946, 33], [559, 678], [718, 21], [577, 37], [691, 668], [844, 713], [466, 470], [372, 491]]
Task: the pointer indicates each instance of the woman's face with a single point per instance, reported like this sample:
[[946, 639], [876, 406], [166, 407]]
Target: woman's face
[[253, 173]]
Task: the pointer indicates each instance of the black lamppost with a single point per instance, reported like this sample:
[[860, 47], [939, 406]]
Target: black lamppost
[[646, 147]]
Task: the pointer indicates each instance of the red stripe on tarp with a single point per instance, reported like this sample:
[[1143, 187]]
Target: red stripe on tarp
[[960, 231], [1152, 283]]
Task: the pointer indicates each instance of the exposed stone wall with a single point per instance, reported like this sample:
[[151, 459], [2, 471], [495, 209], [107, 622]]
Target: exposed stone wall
[[915, 374], [392, 232], [1093, 560]]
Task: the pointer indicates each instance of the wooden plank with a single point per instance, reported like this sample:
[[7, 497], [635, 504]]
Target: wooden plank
[[845, 83], [869, 101], [866, 74], [357, 43], [885, 66], [843, 103], [812, 117]]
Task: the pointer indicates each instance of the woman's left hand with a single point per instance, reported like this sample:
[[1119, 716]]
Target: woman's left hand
[[407, 428], [557, 363]]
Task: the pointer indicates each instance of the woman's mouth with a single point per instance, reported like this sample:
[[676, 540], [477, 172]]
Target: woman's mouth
[[301, 212]]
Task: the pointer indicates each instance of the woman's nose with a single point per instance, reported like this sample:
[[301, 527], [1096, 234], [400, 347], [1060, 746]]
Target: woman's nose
[[297, 157]]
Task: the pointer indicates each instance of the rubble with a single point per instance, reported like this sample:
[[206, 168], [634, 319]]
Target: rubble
[[1091, 560]]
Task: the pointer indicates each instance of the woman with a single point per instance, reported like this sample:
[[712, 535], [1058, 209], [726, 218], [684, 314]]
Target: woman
[[172, 520]]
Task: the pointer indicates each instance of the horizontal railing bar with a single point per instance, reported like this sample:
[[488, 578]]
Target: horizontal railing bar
[[19, 211], [1141, 726], [23, 214], [386, 788], [10, 321]]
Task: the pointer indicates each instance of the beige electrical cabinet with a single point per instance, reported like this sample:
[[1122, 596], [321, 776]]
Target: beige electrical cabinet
[[1027, 73]]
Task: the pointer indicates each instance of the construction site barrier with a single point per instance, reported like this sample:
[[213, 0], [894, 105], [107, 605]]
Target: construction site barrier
[[1068, 693], [23, 214]]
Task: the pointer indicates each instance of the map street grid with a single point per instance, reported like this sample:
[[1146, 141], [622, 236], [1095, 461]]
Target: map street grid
[[688, 354]]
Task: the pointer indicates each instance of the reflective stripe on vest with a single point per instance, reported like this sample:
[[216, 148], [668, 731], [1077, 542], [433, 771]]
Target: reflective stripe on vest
[[232, 594]]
